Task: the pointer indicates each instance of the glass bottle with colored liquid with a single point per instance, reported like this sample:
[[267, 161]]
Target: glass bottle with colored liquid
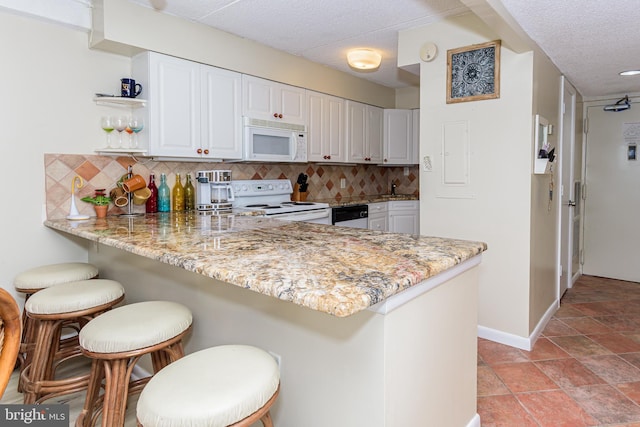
[[189, 195], [164, 195], [152, 201], [178, 195]]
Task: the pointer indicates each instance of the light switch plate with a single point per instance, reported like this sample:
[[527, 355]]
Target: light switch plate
[[343, 183], [426, 164]]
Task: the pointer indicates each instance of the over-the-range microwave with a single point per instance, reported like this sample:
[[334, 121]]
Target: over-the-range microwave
[[269, 141]]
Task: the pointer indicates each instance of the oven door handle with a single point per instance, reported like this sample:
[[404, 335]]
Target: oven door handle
[[303, 216]]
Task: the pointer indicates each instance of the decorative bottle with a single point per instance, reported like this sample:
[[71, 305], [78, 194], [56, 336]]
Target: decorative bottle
[[189, 195], [164, 198], [178, 195], [152, 201]]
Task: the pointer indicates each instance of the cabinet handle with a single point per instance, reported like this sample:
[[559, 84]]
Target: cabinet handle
[[275, 115], [206, 151], [385, 160], [199, 151], [329, 157], [324, 157]]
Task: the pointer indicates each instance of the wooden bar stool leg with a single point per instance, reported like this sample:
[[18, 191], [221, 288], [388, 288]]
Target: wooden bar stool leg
[[39, 368], [85, 418], [117, 373]]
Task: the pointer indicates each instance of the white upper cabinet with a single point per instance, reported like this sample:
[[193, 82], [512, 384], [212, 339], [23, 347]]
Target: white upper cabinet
[[268, 100], [325, 128], [221, 106], [364, 126], [193, 110], [399, 143]]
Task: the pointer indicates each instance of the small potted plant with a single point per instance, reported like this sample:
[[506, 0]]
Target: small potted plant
[[100, 202]]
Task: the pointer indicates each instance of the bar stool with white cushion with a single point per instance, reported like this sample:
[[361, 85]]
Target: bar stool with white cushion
[[35, 279], [227, 385], [51, 309], [115, 341]]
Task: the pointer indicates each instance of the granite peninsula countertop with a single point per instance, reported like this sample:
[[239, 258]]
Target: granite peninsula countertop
[[336, 270]]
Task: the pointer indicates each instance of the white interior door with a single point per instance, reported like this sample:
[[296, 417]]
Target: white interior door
[[612, 203], [568, 218]]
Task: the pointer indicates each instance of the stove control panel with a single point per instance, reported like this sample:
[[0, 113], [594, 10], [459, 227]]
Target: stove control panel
[[266, 187]]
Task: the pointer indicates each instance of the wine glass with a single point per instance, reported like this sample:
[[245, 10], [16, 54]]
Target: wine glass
[[120, 124], [137, 124], [107, 126], [129, 130]]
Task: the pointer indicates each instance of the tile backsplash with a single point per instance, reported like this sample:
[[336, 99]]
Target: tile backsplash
[[104, 172]]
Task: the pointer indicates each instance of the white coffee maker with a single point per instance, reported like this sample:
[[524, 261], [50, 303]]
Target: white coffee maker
[[214, 193]]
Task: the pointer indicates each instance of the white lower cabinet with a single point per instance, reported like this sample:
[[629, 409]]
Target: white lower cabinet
[[404, 216], [378, 219]]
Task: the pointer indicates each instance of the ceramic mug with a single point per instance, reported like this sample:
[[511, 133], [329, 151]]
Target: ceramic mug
[[134, 183], [119, 197], [129, 88], [140, 196]]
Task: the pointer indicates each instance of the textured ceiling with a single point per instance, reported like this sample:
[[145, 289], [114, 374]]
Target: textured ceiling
[[590, 41], [321, 30]]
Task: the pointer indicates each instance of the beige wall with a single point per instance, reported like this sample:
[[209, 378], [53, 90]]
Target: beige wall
[[496, 206], [544, 212], [123, 27], [49, 78]]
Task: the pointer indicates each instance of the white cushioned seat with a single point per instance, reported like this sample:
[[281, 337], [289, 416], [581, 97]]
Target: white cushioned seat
[[135, 326], [74, 296], [54, 274], [214, 387]]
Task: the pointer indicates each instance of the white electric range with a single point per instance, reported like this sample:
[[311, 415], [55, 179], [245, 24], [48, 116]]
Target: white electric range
[[273, 197]]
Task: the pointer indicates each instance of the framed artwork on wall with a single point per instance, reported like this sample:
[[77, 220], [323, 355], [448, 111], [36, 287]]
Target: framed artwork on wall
[[473, 72]]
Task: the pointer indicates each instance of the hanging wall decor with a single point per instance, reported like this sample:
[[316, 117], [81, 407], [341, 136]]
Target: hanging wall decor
[[473, 72]]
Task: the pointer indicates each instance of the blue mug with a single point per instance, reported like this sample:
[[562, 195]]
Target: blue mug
[[129, 88]]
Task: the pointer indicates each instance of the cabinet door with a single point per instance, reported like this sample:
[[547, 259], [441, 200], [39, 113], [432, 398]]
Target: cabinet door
[[378, 223], [334, 128], [174, 106], [325, 131], [268, 100], [375, 124], [257, 98], [290, 103], [221, 113], [398, 137], [356, 131], [403, 222], [315, 131]]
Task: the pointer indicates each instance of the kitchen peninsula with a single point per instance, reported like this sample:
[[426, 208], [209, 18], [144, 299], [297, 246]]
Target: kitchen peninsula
[[370, 328]]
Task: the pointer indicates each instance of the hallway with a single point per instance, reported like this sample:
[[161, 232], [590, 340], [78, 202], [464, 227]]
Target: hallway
[[584, 370]]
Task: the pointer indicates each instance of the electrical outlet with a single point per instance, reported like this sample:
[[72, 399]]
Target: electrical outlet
[[406, 171], [343, 183]]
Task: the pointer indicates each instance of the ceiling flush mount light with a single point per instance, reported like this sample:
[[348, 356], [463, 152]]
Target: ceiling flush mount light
[[630, 73], [364, 59]]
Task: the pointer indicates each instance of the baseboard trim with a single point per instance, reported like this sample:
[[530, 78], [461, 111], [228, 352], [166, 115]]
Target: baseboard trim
[[475, 421], [515, 340]]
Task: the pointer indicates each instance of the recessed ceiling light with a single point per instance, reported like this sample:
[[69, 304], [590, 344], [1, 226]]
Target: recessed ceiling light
[[630, 73]]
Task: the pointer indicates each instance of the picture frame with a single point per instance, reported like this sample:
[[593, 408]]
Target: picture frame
[[473, 72]]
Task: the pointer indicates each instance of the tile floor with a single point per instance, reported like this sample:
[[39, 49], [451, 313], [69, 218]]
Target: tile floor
[[584, 370]]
